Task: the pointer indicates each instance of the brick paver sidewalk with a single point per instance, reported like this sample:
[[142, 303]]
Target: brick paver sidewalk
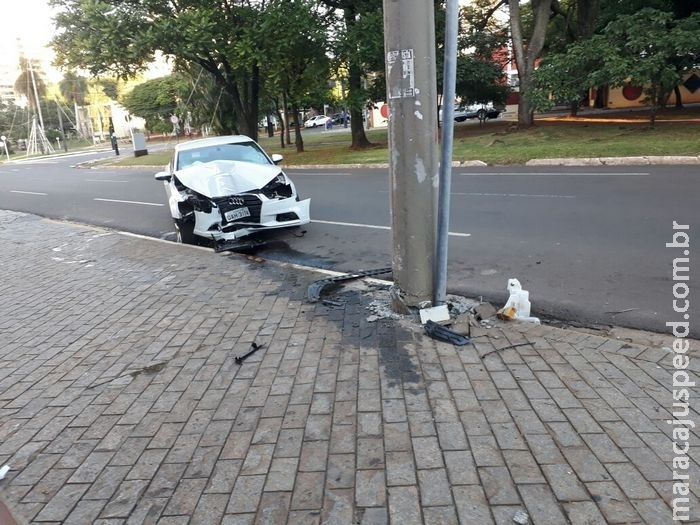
[[121, 400]]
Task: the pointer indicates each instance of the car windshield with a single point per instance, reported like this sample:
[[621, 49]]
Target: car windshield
[[243, 151]]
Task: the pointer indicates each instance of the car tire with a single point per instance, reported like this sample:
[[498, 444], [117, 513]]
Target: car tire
[[460, 119], [185, 231]]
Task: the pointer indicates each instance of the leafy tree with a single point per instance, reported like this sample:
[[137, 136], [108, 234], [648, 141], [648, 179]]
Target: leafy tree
[[480, 81], [73, 88], [482, 31], [562, 77], [611, 9], [685, 8], [479, 74], [359, 48], [110, 87], [527, 27], [121, 38], [203, 104], [303, 65], [9, 123], [157, 100], [527, 49], [649, 49], [28, 79]]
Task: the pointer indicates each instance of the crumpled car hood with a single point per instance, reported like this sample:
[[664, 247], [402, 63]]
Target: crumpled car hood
[[220, 178]]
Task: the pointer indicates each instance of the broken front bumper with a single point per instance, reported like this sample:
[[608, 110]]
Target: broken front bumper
[[249, 216]]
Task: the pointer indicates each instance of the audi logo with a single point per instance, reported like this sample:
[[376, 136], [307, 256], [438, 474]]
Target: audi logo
[[236, 201]]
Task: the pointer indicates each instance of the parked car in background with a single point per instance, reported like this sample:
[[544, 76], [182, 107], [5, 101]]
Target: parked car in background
[[478, 111], [474, 111], [338, 118], [318, 120], [220, 189]]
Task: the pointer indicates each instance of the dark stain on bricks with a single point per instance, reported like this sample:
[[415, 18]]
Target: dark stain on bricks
[[393, 355], [151, 369]]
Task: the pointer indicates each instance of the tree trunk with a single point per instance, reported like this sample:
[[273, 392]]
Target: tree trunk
[[573, 107], [251, 104], [357, 127], [244, 97], [587, 12], [679, 102], [297, 131], [527, 52], [287, 133]]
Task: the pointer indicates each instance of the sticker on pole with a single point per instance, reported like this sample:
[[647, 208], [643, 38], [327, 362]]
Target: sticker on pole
[[402, 80]]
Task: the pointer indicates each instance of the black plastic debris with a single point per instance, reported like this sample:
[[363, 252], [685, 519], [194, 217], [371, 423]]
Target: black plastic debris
[[336, 304], [315, 289], [239, 245], [253, 348], [442, 333]]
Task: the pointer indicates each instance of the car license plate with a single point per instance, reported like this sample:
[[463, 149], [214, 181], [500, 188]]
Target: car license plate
[[236, 214]]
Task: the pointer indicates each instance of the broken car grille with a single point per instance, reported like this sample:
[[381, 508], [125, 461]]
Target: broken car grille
[[227, 204]]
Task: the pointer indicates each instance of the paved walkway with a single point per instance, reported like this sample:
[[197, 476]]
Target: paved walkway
[[121, 400]]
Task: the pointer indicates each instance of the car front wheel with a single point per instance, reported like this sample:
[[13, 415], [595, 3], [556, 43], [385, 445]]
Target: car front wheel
[[185, 231]]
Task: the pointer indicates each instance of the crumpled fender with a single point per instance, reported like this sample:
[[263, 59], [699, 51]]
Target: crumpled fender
[[175, 197]]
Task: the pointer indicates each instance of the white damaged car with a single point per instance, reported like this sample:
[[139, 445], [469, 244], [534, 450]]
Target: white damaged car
[[223, 188]]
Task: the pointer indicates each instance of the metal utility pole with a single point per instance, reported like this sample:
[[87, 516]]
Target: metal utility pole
[[409, 44], [449, 82]]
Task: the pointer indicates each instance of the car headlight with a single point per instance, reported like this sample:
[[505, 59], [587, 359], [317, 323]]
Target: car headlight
[[278, 188]]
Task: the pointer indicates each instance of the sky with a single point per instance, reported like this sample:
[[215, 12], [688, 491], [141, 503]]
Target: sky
[[33, 26]]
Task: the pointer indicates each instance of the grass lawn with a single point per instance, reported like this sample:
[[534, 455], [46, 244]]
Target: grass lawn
[[499, 142]]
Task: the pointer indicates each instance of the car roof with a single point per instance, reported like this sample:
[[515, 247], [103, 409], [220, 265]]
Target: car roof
[[212, 141]]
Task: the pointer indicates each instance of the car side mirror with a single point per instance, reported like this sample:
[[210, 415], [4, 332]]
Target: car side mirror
[[164, 176], [277, 158]]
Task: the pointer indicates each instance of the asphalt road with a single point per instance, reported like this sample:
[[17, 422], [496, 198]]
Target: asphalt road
[[588, 243]]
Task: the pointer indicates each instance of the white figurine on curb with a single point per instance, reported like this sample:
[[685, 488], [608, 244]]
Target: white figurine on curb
[[518, 305]]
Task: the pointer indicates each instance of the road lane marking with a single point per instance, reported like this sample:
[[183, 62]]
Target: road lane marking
[[516, 195], [566, 173], [33, 161], [104, 180], [301, 172], [130, 202], [28, 192], [355, 224], [375, 227], [551, 196]]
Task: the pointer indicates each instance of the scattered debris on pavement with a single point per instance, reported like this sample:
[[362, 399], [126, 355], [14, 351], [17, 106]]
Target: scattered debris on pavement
[[521, 517], [254, 347], [316, 288], [517, 308], [334, 304], [434, 313], [442, 333], [4, 470], [381, 309], [616, 312], [483, 311]]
